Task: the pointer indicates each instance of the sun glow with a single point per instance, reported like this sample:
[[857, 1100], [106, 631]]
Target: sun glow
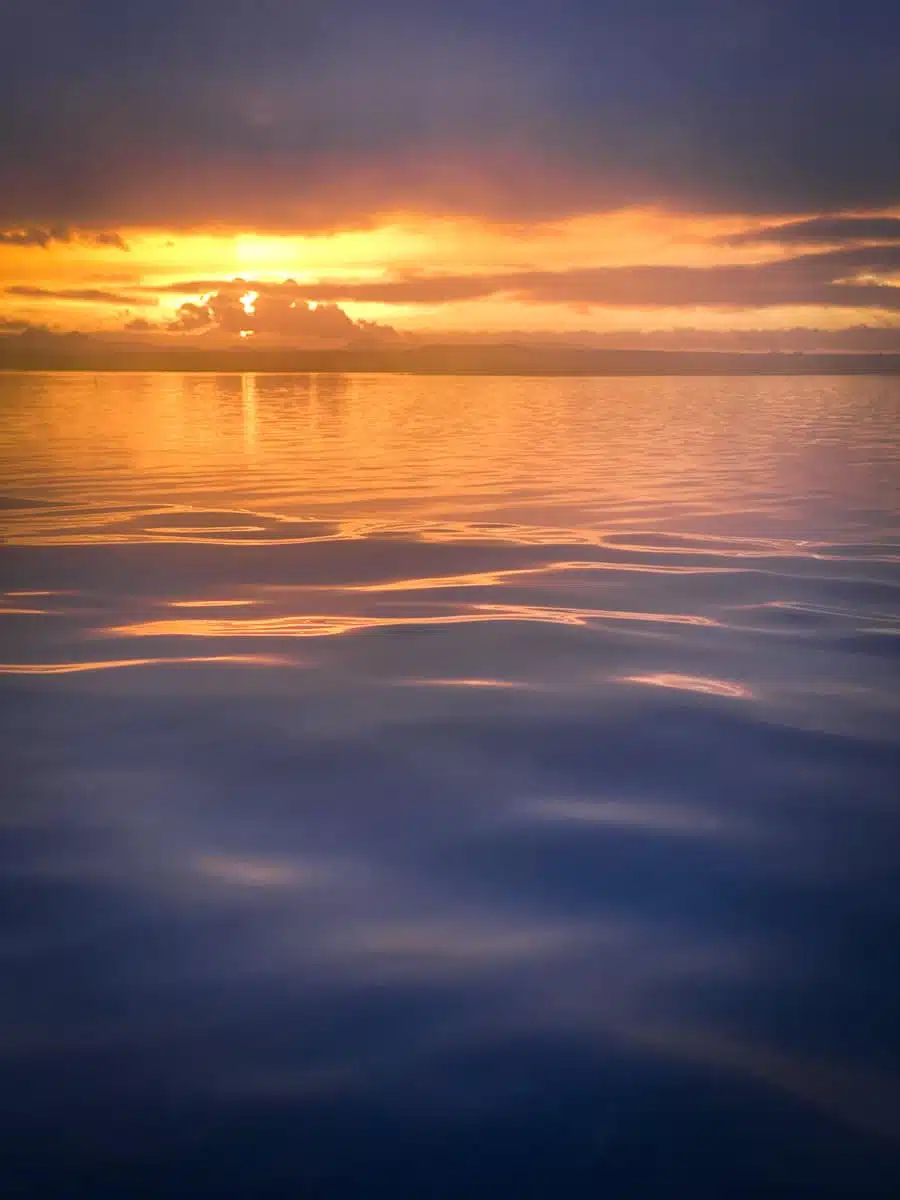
[[79, 286]]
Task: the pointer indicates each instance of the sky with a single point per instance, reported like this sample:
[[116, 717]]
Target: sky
[[324, 173]]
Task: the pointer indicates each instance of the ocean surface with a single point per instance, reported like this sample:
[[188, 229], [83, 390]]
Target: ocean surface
[[449, 787]]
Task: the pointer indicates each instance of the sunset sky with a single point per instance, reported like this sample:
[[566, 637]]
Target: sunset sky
[[202, 171]]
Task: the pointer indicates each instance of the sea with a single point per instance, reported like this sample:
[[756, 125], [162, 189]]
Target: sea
[[449, 787]]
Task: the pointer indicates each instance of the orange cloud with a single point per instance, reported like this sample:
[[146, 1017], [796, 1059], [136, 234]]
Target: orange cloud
[[638, 268], [83, 295], [272, 310], [43, 236]]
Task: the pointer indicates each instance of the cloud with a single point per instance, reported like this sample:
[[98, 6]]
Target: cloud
[[32, 236], [35, 235], [871, 339], [281, 310], [12, 325], [300, 116], [821, 231], [106, 238], [191, 317], [82, 295], [842, 279], [845, 278]]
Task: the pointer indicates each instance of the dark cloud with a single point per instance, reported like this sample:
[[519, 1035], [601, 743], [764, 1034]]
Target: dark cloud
[[11, 325], [277, 310], [106, 238], [846, 278], [34, 235], [862, 339], [86, 295], [821, 231], [284, 115], [192, 317], [838, 279]]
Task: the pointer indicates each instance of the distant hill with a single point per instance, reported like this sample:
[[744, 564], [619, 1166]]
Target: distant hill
[[89, 354]]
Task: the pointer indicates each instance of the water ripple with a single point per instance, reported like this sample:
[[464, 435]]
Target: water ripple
[[573, 827]]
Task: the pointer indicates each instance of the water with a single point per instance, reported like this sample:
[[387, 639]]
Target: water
[[449, 787]]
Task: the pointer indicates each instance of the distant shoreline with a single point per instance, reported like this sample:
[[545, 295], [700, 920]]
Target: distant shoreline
[[460, 360]]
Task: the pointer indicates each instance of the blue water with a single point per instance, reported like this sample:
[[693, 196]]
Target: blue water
[[449, 787]]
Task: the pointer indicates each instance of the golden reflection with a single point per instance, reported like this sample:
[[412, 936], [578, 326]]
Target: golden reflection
[[249, 413], [549, 535], [167, 537], [582, 616], [333, 624], [691, 683], [499, 578], [70, 668], [473, 579], [177, 530], [567, 463], [468, 683], [210, 603]]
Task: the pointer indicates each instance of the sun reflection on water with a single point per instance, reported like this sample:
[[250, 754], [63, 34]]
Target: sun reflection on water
[[579, 791]]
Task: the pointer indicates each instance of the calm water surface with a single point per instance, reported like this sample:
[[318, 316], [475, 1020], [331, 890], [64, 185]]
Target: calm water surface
[[449, 787]]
